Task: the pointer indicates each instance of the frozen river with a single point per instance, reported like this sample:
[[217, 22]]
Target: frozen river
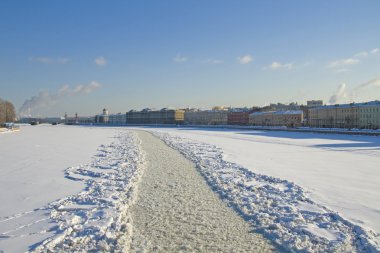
[[336, 173], [341, 172]]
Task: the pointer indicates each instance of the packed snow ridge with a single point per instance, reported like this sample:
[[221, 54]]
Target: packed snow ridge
[[97, 219], [279, 209]]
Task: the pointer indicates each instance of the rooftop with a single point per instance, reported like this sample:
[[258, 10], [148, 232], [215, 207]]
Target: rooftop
[[366, 104], [279, 112]]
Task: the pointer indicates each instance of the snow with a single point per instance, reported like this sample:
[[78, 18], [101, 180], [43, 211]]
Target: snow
[[177, 211], [71, 188], [98, 218], [33, 162], [328, 234], [333, 173]]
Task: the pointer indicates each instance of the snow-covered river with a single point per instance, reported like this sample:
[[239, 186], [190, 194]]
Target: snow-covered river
[[341, 172], [308, 175]]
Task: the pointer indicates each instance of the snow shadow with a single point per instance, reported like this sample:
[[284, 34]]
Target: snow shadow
[[348, 141]]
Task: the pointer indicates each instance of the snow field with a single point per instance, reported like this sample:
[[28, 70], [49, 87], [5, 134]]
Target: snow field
[[32, 166], [304, 192], [97, 219], [278, 208]]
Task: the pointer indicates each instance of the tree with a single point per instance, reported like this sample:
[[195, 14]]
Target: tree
[[2, 111], [7, 111], [10, 114]]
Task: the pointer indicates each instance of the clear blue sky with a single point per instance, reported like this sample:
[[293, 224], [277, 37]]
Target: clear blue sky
[[185, 53]]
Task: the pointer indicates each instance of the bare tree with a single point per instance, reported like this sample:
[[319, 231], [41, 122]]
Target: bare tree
[[7, 111], [2, 111], [10, 113]]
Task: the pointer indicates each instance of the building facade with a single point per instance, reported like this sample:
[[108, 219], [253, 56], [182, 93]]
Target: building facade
[[314, 103], [238, 117], [281, 107], [117, 119], [334, 116], [208, 117], [369, 115], [158, 117], [277, 118], [354, 115], [102, 118]]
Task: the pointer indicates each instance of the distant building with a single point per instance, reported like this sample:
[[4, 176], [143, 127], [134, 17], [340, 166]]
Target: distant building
[[281, 107], [314, 103], [305, 109], [354, 115], [102, 118], [117, 119], [49, 120], [145, 116], [79, 120], [277, 118], [220, 108], [334, 116], [149, 116], [238, 116], [369, 115], [206, 117]]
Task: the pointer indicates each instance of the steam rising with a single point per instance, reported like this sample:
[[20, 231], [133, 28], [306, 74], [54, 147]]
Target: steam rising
[[374, 83], [342, 94], [45, 99]]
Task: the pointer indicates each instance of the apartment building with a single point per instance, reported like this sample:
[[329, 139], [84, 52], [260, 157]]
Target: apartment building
[[353, 115], [290, 118], [238, 116], [369, 115], [149, 116], [207, 117], [334, 116], [138, 117]]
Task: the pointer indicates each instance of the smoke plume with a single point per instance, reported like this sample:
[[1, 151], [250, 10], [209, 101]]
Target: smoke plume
[[44, 99], [360, 92], [340, 95], [374, 83]]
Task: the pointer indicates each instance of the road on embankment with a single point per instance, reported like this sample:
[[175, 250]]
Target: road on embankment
[[176, 211]]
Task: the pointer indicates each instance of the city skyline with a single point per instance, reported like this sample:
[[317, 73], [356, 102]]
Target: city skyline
[[79, 57]]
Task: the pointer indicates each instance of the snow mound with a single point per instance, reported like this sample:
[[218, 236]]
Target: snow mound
[[97, 218], [277, 208]]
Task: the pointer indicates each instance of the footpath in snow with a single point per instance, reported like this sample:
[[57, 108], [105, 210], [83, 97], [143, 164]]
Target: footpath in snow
[[278, 208], [176, 211]]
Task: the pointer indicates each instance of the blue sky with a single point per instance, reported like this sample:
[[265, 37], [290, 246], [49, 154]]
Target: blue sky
[[81, 56]]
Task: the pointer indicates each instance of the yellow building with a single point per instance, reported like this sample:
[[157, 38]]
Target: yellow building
[[208, 117], [369, 115], [354, 115]]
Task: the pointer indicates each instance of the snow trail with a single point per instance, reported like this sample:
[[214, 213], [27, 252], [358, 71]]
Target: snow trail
[[278, 208], [176, 210], [97, 219]]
